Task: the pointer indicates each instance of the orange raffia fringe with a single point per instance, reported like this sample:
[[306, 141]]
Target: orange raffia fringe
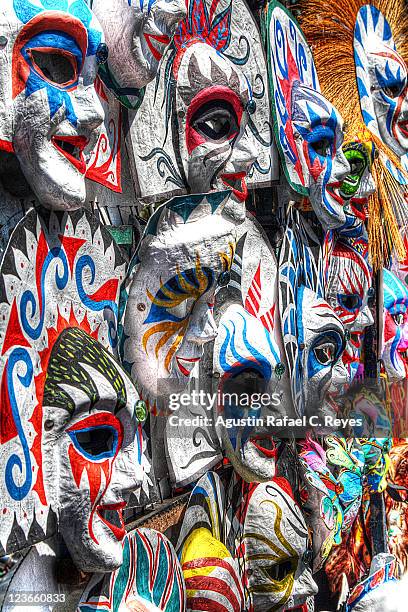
[[384, 234]]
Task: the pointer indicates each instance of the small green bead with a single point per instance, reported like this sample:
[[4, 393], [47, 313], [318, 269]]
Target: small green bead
[[141, 411], [279, 369]]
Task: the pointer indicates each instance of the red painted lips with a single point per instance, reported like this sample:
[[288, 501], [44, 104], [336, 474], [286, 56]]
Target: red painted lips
[[72, 147], [189, 364], [331, 187], [112, 516], [237, 182], [265, 445]]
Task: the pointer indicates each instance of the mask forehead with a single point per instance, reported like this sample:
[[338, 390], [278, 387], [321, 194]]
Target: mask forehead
[[378, 67]]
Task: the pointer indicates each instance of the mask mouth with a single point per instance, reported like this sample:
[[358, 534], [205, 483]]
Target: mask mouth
[[112, 516], [265, 445], [237, 182], [403, 127], [72, 148], [334, 190], [186, 365], [355, 339], [403, 353], [359, 207]]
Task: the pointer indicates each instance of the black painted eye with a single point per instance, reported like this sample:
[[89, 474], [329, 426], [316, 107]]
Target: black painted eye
[[357, 165], [279, 571], [325, 353], [322, 147], [216, 120], [59, 68], [96, 442], [308, 556], [102, 54], [398, 319], [224, 279], [350, 302], [394, 91]]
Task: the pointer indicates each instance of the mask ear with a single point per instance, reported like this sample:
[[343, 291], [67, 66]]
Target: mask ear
[[291, 71]]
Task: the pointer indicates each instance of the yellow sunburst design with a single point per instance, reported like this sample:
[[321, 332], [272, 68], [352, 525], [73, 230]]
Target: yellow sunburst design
[[284, 586], [168, 329]]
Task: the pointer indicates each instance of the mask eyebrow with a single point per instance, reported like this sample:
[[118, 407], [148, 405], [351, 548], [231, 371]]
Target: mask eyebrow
[[74, 355]]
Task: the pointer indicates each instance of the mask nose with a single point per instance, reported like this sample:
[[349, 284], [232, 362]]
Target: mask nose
[[365, 318], [202, 327], [371, 186], [245, 153], [127, 474], [88, 109], [340, 377]]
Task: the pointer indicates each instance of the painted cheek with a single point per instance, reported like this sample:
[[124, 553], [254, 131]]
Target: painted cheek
[[390, 329], [98, 472], [315, 167]]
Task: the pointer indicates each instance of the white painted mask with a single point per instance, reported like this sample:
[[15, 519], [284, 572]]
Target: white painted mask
[[216, 145], [277, 556], [395, 332], [347, 293], [205, 122], [137, 33], [187, 248], [381, 79], [94, 447], [49, 110], [308, 129], [253, 380], [321, 344]]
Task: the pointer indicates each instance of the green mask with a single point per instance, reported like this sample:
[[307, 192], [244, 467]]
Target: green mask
[[357, 155]]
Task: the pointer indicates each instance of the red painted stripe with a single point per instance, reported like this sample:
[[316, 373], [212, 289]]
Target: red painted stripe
[[214, 585]]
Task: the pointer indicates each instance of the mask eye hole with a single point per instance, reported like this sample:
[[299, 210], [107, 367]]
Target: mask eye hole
[[216, 120], [398, 319], [350, 302], [322, 147], [356, 165], [393, 91], [325, 353], [95, 442], [58, 67], [278, 572]]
